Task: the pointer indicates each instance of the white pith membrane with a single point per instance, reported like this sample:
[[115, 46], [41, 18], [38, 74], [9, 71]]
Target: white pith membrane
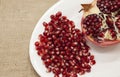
[[93, 9]]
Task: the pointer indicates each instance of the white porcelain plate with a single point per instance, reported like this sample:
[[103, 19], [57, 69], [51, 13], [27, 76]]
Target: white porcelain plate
[[108, 59]]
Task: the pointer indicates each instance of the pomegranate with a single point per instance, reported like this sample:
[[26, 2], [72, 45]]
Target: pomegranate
[[101, 22], [63, 48]]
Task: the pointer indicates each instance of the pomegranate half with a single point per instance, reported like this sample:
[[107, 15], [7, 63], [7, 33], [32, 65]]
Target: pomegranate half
[[101, 22]]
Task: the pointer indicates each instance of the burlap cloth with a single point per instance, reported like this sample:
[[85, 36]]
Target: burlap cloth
[[17, 21]]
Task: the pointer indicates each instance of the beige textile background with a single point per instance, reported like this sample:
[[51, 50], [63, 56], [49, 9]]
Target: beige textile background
[[17, 21]]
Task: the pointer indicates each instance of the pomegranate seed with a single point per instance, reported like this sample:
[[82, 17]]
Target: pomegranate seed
[[45, 24], [91, 57], [71, 23], [39, 53], [88, 33], [109, 21], [113, 34], [82, 72], [88, 67], [49, 70], [39, 47], [36, 43], [52, 16], [58, 14], [56, 76], [73, 75], [93, 62], [101, 35], [64, 17], [88, 70]]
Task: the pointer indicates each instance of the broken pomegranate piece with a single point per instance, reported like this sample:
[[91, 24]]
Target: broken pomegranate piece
[[63, 48], [101, 23]]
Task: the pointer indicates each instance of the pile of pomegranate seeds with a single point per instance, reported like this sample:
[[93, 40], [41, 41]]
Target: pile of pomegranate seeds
[[63, 48]]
